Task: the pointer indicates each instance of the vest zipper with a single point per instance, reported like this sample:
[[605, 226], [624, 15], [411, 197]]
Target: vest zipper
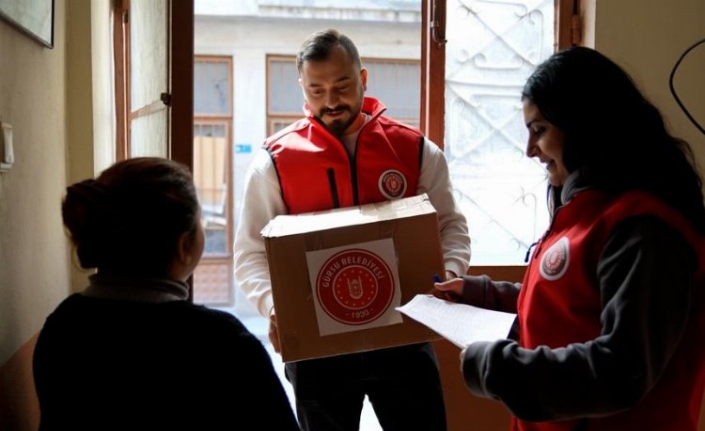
[[528, 251], [333, 188], [353, 168]]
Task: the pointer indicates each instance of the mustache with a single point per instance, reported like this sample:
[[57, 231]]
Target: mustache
[[324, 111]]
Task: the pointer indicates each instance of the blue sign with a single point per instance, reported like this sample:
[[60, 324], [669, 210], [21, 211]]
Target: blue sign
[[243, 148]]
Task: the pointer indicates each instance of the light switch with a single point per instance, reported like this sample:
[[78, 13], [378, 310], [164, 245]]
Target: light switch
[[7, 154]]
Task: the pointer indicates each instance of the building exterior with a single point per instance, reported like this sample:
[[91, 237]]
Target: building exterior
[[246, 88]]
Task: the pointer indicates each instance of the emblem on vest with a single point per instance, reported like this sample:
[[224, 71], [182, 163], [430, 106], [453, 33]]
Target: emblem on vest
[[392, 184], [355, 287], [554, 262]]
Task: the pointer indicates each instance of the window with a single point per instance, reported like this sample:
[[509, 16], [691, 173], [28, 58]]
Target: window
[[143, 77], [212, 171], [472, 109], [390, 81]]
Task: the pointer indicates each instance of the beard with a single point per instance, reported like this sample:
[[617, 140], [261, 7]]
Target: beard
[[339, 126]]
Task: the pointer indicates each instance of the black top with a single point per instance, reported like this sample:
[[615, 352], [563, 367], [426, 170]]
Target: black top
[[115, 364]]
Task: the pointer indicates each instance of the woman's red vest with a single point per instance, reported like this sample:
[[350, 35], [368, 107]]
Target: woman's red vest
[[560, 303]]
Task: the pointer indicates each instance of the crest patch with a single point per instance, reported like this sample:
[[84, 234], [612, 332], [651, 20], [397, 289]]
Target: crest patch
[[392, 184], [554, 262]]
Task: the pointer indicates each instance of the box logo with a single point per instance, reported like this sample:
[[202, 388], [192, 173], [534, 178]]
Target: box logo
[[355, 287]]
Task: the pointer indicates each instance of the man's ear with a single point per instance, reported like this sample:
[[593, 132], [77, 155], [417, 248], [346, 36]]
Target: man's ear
[[363, 78]]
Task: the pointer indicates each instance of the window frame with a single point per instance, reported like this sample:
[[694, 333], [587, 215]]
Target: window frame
[[433, 12]]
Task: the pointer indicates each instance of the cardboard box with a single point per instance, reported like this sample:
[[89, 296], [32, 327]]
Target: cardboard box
[[338, 275]]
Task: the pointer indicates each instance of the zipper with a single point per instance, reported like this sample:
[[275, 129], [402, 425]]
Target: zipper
[[528, 251], [353, 166], [353, 174], [333, 188]]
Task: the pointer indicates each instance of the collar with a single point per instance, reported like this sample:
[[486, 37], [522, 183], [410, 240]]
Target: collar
[[139, 289], [572, 186]]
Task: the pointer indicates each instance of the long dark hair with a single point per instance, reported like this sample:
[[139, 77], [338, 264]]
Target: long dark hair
[[129, 219], [614, 136]]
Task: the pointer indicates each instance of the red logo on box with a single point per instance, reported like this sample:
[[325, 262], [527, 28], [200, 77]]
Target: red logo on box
[[355, 287]]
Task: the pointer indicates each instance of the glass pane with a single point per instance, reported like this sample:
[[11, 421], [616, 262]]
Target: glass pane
[[397, 85], [492, 48], [285, 95], [148, 45], [210, 164], [149, 135], [211, 88], [212, 282]]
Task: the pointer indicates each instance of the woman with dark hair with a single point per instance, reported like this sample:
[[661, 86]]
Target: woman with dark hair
[[611, 311], [131, 351]]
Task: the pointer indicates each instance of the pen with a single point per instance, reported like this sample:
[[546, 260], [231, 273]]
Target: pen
[[448, 296]]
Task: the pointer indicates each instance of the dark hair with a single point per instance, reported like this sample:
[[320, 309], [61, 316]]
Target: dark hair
[[317, 47], [130, 218], [614, 136]]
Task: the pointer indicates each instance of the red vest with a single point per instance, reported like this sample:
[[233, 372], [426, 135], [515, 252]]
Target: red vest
[[559, 304], [316, 173]]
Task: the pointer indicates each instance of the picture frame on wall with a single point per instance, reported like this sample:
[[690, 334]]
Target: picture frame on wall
[[35, 18]]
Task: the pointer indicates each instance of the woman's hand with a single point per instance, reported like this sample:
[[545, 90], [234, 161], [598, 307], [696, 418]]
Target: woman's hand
[[450, 290]]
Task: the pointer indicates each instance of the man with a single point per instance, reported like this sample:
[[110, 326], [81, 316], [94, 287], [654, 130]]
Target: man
[[336, 157]]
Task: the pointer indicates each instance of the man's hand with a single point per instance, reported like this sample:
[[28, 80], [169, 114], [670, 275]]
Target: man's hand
[[274, 332]]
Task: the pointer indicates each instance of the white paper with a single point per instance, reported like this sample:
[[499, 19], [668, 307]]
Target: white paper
[[459, 323]]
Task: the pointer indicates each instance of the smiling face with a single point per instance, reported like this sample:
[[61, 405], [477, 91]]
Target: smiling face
[[334, 89], [545, 143]]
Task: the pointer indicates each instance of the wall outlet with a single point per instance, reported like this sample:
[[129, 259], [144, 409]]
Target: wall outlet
[[7, 153]]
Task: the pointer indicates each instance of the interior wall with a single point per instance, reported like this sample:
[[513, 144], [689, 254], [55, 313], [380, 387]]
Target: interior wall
[[47, 95], [647, 37], [34, 258]]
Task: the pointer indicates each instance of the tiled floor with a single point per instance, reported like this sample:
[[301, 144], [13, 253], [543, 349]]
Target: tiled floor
[[258, 326]]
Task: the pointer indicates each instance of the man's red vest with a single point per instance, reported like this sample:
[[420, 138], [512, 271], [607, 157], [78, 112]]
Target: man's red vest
[[316, 173], [560, 303]]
